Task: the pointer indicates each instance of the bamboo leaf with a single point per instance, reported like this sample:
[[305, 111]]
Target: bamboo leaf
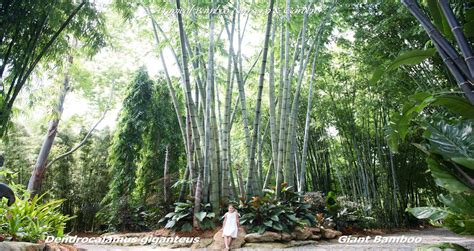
[[439, 19], [413, 57], [469, 29], [378, 73], [435, 13]]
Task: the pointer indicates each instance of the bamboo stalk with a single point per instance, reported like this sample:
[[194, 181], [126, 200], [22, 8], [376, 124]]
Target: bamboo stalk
[[456, 28], [190, 105], [283, 117], [252, 183], [435, 35]]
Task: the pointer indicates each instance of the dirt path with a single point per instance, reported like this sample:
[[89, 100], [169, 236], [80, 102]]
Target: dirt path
[[427, 236]]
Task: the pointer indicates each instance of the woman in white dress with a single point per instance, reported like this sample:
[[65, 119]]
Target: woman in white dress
[[231, 226]]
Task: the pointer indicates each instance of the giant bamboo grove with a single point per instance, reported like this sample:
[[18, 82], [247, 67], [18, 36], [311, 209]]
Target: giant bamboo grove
[[210, 120]]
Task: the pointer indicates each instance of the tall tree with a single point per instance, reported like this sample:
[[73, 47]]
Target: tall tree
[[40, 166], [125, 150]]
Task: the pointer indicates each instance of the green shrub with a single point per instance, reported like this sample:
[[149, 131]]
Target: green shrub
[[32, 220], [353, 214], [449, 145], [182, 217], [295, 200], [450, 159], [264, 213], [332, 204]]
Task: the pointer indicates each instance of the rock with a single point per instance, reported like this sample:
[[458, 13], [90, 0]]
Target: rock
[[265, 237], [61, 247], [286, 237], [315, 230], [315, 237], [330, 233], [302, 233], [203, 243], [218, 240], [23, 246], [315, 199]]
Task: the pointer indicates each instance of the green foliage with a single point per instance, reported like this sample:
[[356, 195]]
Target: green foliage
[[451, 141], [182, 217], [92, 175], [302, 210], [147, 126], [34, 30], [400, 122], [32, 220], [161, 133], [412, 57], [448, 141], [346, 213], [450, 149], [17, 153], [261, 215], [445, 143], [264, 213], [125, 151], [331, 203]]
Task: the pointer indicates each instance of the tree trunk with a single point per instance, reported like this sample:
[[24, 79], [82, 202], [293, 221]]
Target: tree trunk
[[37, 175]]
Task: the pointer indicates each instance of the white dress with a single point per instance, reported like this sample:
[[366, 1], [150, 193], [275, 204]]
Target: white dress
[[230, 228]]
